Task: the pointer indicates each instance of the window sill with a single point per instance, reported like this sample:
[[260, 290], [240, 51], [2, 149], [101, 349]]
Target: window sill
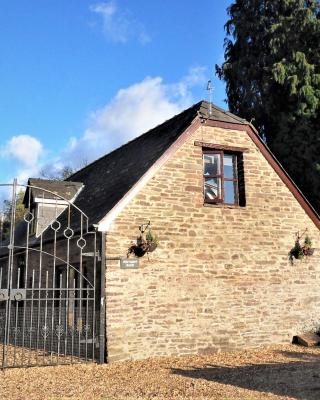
[[220, 205]]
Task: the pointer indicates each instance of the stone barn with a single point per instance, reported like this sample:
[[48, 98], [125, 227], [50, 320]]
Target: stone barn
[[204, 242]]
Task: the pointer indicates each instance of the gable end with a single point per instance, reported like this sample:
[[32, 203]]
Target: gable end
[[275, 164]]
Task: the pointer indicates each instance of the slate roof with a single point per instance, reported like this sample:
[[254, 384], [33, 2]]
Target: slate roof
[[109, 178], [65, 189]]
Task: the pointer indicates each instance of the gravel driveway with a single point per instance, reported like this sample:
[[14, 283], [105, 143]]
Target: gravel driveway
[[278, 372]]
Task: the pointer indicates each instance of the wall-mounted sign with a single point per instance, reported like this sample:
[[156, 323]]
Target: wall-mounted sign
[[129, 263]]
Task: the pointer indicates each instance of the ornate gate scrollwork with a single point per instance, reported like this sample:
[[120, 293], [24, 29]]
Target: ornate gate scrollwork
[[49, 287]]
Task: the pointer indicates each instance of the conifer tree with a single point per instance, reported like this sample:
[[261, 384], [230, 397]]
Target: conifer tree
[[272, 75]]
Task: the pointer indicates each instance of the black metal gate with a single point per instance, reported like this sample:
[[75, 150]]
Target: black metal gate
[[50, 281]]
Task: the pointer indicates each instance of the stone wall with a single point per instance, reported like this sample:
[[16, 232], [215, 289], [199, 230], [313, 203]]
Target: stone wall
[[220, 278]]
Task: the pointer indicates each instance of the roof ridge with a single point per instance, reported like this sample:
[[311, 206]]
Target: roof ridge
[[134, 139], [56, 181], [226, 112]]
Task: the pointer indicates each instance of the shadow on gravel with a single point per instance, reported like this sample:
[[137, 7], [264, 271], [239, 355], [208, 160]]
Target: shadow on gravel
[[299, 355], [297, 379]]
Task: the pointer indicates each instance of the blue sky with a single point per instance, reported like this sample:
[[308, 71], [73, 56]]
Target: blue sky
[[79, 78]]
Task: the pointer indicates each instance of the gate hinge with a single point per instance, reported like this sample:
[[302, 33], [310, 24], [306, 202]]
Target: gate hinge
[[18, 294], [92, 254], [4, 294], [13, 294]]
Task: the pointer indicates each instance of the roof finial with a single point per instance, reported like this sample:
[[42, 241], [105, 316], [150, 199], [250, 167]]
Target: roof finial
[[210, 90]]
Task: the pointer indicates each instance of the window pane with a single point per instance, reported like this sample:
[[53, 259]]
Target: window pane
[[212, 188], [229, 192], [228, 166], [211, 164]]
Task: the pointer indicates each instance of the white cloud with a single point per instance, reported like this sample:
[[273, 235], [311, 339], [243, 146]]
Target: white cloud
[[24, 154], [133, 111], [120, 26], [24, 148]]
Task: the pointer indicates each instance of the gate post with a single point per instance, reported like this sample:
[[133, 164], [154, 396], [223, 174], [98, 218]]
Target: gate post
[[10, 266], [102, 330]]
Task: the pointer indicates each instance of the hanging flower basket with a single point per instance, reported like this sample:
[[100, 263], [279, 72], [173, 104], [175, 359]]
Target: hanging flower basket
[[146, 243], [300, 251]]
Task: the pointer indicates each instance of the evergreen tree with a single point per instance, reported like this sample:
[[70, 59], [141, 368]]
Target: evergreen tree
[[272, 75]]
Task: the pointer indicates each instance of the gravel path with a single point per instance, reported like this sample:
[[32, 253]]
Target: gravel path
[[278, 372]]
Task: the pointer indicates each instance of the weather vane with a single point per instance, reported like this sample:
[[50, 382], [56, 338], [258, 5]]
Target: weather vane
[[210, 89]]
